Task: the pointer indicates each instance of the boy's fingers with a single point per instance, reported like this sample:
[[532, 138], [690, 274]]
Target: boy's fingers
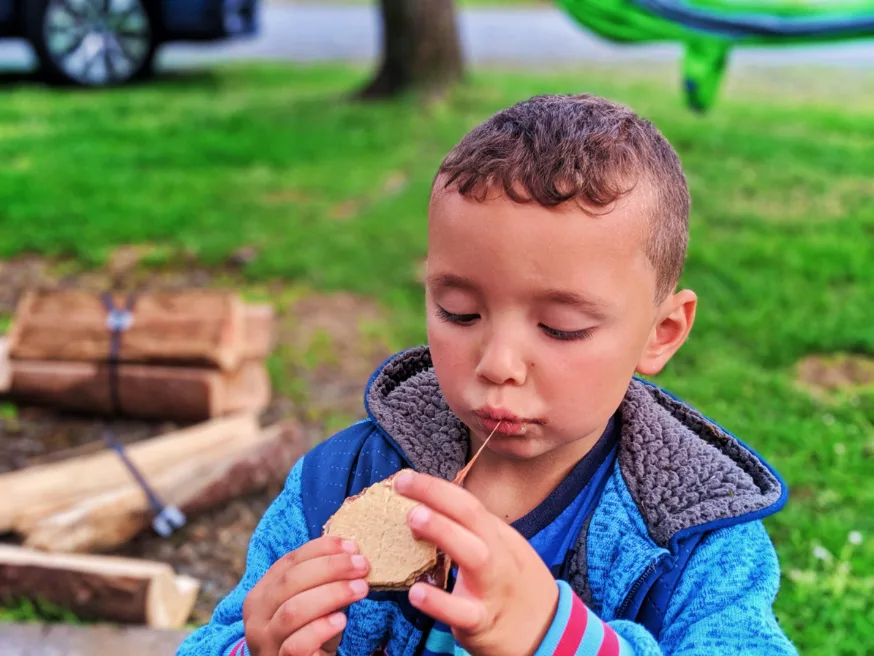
[[308, 606], [468, 550], [323, 546], [314, 573], [461, 613], [260, 603], [332, 645], [309, 639], [446, 498]]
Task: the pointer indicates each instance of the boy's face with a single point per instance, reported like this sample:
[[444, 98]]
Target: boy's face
[[541, 317]]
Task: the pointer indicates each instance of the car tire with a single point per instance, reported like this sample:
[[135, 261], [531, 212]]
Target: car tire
[[93, 43]]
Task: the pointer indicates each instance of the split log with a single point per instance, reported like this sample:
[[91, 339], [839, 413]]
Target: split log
[[110, 520], [5, 369], [248, 389], [192, 327], [108, 588], [85, 449], [35, 492], [150, 392], [260, 331]]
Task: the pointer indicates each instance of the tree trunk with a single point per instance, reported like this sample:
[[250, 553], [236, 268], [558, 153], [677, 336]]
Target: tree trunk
[[420, 48]]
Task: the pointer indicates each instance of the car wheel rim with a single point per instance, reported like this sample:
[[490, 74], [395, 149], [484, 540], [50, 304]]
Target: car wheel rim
[[97, 42]]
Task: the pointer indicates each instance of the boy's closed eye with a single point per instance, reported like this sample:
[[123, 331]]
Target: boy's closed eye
[[451, 317], [567, 335], [555, 333]]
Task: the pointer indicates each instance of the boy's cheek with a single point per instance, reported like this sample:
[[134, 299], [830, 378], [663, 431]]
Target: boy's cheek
[[451, 362]]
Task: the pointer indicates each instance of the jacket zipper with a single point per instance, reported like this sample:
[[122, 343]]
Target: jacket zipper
[[620, 613]]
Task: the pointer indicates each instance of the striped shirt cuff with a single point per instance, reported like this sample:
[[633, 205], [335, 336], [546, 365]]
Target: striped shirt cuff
[[239, 649], [577, 631]]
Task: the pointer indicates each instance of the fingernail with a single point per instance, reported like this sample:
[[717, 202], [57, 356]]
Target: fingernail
[[349, 546], [359, 562], [359, 587], [403, 481], [419, 516], [417, 594], [337, 619]]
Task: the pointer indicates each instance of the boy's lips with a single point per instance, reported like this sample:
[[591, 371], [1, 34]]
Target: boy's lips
[[504, 422]]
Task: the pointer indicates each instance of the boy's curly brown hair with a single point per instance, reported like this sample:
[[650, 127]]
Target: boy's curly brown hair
[[551, 149]]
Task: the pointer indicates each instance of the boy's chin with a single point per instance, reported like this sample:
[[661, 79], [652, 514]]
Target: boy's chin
[[516, 447]]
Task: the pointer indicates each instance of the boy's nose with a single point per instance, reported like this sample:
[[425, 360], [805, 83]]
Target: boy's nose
[[501, 363]]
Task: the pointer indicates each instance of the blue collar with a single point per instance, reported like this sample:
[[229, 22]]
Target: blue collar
[[573, 484]]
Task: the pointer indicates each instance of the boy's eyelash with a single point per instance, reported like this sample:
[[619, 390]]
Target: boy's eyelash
[[562, 335], [449, 317], [566, 335]]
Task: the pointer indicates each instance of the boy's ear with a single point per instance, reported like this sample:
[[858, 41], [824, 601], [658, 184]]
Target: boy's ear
[[676, 316]]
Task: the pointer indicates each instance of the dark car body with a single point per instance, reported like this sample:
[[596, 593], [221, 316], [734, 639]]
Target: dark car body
[[98, 43], [178, 20]]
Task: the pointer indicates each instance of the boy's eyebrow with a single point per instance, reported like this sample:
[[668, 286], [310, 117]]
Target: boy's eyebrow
[[451, 281], [593, 306]]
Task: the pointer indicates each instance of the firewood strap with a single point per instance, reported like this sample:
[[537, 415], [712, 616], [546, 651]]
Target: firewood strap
[[119, 320]]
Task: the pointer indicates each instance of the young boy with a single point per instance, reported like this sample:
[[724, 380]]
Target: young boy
[[603, 516]]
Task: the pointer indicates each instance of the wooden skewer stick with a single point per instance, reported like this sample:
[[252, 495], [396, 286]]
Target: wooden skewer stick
[[459, 478]]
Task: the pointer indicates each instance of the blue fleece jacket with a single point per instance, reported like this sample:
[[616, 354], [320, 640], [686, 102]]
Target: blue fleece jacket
[[673, 558]]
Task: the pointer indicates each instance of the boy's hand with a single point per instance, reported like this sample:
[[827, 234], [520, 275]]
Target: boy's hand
[[505, 597], [296, 608]]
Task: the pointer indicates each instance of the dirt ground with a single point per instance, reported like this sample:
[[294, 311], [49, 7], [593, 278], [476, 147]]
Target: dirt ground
[[327, 349], [838, 373]]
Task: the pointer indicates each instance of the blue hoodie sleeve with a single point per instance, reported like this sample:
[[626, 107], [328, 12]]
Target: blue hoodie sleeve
[[283, 528], [577, 631], [722, 603]]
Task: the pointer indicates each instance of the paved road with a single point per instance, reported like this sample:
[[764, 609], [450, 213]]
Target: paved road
[[352, 33], [68, 640], [518, 36], [535, 36]]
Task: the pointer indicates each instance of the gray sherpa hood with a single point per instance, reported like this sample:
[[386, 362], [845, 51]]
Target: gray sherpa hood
[[682, 470]]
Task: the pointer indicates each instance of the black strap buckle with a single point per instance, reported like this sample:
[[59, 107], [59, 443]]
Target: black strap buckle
[[119, 320]]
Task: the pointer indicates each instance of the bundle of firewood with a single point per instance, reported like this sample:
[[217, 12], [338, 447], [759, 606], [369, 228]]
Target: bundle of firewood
[[91, 503], [177, 355], [192, 356]]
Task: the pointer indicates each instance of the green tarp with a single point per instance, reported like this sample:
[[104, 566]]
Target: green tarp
[[710, 28]]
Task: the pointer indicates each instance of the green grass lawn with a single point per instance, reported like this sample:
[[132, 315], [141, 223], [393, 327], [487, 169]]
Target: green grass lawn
[[334, 196]]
